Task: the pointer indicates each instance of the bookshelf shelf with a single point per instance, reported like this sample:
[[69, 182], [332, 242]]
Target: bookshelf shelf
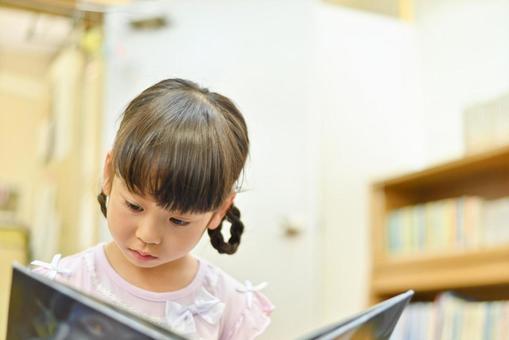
[[441, 272], [482, 271]]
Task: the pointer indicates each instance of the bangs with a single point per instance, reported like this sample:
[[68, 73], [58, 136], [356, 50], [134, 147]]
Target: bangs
[[180, 160]]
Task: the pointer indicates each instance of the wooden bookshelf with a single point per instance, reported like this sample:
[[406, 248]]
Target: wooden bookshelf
[[481, 272]]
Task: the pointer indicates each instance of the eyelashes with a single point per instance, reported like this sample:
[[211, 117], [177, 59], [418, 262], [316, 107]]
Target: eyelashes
[[177, 222], [137, 209], [133, 207]]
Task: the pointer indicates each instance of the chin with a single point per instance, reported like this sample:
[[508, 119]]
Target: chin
[[141, 264], [145, 265]]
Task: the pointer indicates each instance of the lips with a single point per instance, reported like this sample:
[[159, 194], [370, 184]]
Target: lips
[[142, 254]]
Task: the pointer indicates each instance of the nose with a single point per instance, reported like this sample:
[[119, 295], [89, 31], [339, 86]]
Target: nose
[[149, 232]]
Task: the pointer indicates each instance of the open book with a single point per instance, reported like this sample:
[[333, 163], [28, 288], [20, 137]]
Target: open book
[[376, 323], [40, 308]]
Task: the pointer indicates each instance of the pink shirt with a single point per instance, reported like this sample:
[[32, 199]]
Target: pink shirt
[[212, 306]]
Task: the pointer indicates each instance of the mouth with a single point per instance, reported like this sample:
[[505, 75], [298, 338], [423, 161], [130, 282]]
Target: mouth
[[142, 255]]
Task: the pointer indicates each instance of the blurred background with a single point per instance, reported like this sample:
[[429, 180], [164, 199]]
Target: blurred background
[[379, 129]]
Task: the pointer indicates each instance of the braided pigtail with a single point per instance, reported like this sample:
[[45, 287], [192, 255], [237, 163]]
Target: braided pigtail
[[236, 230], [102, 199]]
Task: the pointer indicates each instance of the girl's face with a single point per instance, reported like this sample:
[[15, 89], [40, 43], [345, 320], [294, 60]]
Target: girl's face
[[149, 235]]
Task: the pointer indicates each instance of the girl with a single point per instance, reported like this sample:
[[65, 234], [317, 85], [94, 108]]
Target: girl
[[171, 176]]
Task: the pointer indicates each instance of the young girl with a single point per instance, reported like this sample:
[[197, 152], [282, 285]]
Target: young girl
[[171, 176]]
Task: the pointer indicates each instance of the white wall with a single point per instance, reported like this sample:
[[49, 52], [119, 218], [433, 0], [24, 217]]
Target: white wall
[[367, 93], [464, 58], [255, 52]]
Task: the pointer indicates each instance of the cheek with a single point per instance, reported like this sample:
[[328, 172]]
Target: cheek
[[119, 223], [187, 239]]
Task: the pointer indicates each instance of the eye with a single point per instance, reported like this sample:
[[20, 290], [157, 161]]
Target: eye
[[133, 207], [178, 222]]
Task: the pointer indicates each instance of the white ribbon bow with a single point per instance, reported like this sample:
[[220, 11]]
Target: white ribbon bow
[[249, 290], [53, 267], [181, 318]]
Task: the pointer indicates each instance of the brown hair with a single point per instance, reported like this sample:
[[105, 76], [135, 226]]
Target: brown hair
[[186, 147]]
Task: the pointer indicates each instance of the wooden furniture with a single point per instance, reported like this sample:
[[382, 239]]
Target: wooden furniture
[[13, 247], [66, 8], [482, 273], [402, 9]]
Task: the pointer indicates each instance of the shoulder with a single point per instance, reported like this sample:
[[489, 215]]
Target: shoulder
[[247, 310], [74, 270]]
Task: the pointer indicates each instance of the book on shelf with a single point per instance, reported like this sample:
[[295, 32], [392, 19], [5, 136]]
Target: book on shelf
[[467, 222], [496, 221], [486, 124], [452, 317]]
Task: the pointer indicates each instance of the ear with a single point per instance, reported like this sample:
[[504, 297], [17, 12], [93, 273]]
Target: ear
[[218, 215], [108, 174]]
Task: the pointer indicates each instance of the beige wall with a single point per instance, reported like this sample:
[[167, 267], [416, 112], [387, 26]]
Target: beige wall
[[50, 140], [24, 103]]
